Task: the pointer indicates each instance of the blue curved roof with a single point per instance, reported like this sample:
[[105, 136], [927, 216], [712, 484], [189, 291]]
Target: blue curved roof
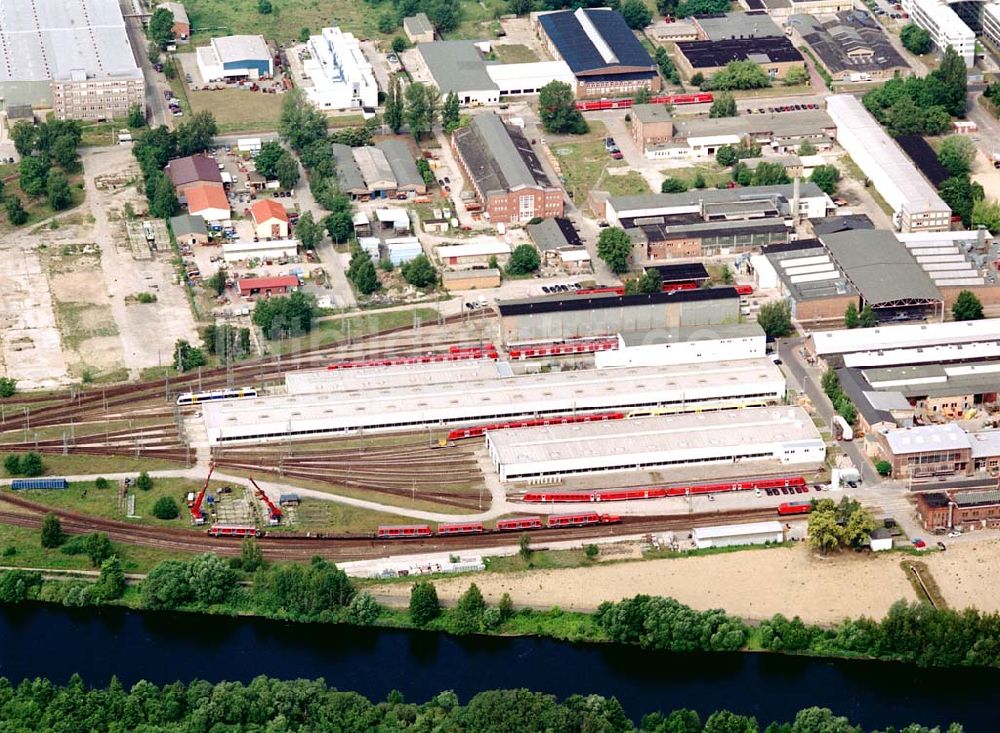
[[579, 51]]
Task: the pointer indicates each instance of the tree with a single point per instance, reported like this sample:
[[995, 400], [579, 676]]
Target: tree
[[31, 464], [984, 213], [144, 481], [166, 508], [953, 77], [101, 483], [775, 318], [468, 614], [851, 315], [687, 8], [883, 467], [399, 44], [956, 154], [210, 578], [723, 106], [266, 160], [52, 534], [63, 150], [421, 110], [187, 357], [304, 34], [167, 585], [723, 721], [651, 281], [419, 272], [57, 190], [858, 526], [726, 156], [24, 134], [363, 276], [8, 387], [393, 114], [769, 174], [961, 194], [520, 7], [97, 547], [136, 116], [523, 259], [796, 75], [967, 307], [16, 213], [33, 171], [642, 96], [557, 109], [153, 53], [444, 15], [284, 316], [163, 202], [807, 148], [867, 317], [614, 247], [161, 27], [216, 284], [673, 185], [636, 14], [739, 75], [450, 116], [388, 22], [111, 580], [264, 7], [363, 610], [424, 605], [826, 177], [308, 232], [195, 135], [339, 226], [251, 556], [824, 532], [915, 39], [300, 124], [287, 172]]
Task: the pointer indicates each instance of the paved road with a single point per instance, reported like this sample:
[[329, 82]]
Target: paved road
[[155, 103]]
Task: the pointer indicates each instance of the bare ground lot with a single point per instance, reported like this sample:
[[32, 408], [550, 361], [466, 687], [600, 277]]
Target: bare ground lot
[[752, 584]]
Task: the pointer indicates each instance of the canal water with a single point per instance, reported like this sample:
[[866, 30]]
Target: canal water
[[55, 642]]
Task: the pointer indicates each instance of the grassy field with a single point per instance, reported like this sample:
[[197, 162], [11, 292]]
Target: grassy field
[[38, 208], [584, 165], [316, 515], [713, 174], [238, 111], [81, 465], [221, 17], [514, 53], [334, 330]]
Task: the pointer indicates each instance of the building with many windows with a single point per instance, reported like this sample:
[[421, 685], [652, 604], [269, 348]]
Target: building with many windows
[[340, 74], [947, 29], [73, 56], [505, 172]]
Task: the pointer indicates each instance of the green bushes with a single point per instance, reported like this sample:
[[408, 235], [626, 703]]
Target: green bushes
[[841, 402]]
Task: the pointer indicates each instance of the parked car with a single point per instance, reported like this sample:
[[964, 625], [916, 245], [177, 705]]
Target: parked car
[[955, 533], [919, 543]]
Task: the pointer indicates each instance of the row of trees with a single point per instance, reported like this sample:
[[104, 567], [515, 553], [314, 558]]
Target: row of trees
[[285, 316], [48, 156], [841, 402], [445, 16]]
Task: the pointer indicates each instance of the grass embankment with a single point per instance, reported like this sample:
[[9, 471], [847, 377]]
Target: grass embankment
[[334, 330], [75, 464]]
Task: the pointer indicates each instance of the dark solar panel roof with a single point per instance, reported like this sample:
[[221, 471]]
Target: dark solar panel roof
[[580, 53], [796, 246], [681, 272], [707, 54], [924, 156], [935, 499], [585, 303], [566, 227], [754, 4], [834, 224]]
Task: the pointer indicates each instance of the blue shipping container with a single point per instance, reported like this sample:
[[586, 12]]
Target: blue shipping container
[[39, 483]]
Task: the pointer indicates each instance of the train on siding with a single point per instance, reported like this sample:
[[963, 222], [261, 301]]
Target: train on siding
[[555, 521], [214, 395], [659, 492], [595, 105]]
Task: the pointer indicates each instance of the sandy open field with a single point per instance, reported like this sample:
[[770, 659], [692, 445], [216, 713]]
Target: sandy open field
[[754, 584]]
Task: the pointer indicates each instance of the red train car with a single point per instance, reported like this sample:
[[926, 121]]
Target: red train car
[[460, 355], [232, 530], [477, 431], [744, 289], [592, 105], [602, 289], [581, 520], [519, 523], [660, 492], [467, 528], [564, 348], [795, 507], [404, 530]]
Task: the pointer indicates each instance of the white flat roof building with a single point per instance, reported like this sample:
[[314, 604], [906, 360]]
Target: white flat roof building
[[785, 435], [524, 79], [321, 381], [272, 249], [686, 345], [914, 335], [700, 387], [732, 535], [923, 438], [945, 26], [482, 248], [341, 76], [916, 203], [236, 57]]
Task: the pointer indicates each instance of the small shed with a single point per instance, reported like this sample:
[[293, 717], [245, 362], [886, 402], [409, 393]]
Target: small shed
[[436, 226], [398, 220], [881, 540], [418, 28], [730, 535], [189, 229], [471, 279], [362, 224], [402, 249], [250, 145], [289, 500], [266, 286], [370, 246], [575, 260]]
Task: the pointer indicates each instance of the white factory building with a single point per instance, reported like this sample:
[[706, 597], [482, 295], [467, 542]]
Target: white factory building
[[784, 436], [686, 345], [718, 386], [341, 76], [945, 26], [272, 249], [991, 23], [918, 343], [734, 535], [914, 201], [235, 57], [396, 376]]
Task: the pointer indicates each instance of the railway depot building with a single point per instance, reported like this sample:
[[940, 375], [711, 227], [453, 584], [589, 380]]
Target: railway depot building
[[723, 385], [505, 172], [852, 46], [575, 316], [686, 345], [73, 56], [775, 55], [781, 436], [963, 510]]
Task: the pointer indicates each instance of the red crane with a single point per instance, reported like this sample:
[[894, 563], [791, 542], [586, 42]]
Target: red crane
[[196, 516], [273, 512]]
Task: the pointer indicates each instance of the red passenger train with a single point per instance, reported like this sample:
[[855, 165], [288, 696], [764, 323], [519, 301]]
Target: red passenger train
[[467, 528], [233, 530], [406, 530], [583, 519], [477, 431], [455, 353], [594, 105], [520, 523], [795, 507], [563, 348], [658, 492]]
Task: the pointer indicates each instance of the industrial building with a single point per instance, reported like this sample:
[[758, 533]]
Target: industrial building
[[474, 254], [182, 25], [556, 239], [193, 170], [927, 450], [915, 202], [73, 56], [341, 76], [718, 386], [991, 23], [270, 219], [576, 316], [250, 287], [652, 124], [918, 343], [782, 436], [404, 168], [805, 275], [728, 26], [603, 53], [273, 249], [851, 45], [349, 174], [719, 204], [418, 28], [780, 10], [375, 170], [232, 58], [686, 345], [775, 55], [397, 376], [962, 510], [945, 26], [735, 535], [957, 261], [208, 201], [878, 410], [661, 241], [189, 229], [505, 172]]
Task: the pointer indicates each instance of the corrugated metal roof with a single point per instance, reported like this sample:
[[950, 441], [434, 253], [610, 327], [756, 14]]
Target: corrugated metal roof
[[456, 66], [498, 157], [402, 162], [348, 172], [593, 39], [880, 267], [736, 530]]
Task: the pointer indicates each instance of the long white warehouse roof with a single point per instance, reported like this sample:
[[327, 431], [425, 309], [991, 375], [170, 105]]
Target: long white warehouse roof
[[785, 434], [721, 384], [314, 381], [905, 336], [895, 176], [736, 530]]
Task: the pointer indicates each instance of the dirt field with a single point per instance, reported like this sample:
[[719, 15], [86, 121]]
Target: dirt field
[[752, 584]]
